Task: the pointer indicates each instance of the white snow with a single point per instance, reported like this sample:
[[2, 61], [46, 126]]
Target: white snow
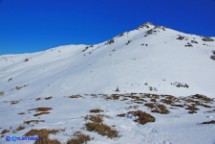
[[156, 60]]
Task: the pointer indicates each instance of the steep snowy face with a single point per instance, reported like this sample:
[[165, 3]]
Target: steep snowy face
[[148, 59]]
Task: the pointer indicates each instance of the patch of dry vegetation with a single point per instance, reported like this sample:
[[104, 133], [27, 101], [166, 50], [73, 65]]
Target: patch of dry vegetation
[[43, 134], [20, 128], [94, 118], [101, 129], [96, 125], [157, 108], [41, 113], [80, 138], [33, 121], [209, 122], [142, 117], [97, 110], [75, 96], [48, 98], [4, 131]]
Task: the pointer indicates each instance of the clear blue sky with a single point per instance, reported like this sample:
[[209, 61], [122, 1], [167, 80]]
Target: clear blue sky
[[35, 25]]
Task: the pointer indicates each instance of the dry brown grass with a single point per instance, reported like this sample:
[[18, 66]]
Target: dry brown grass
[[41, 109], [114, 97], [97, 110], [75, 96], [101, 129], [48, 98], [202, 98], [192, 109], [21, 113], [41, 113], [143, 117], [4, 131], [157, 108], [43, 134], [94, 118], [37, 99], [209, 122], [33, 121], [20, 128], [80, 138], [14, 102]]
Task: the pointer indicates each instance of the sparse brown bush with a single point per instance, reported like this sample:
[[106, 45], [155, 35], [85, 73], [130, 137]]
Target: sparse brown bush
[[80, 138], [43, 135], [213, 57], [5, 131], [179, 85], [20, 87], [180, 37], [207, 39], [202, 98], [96, 110], [209, 122], [75, 96], [21, 113], [10, 79], [101, 129], [41, 113], [93, 118], [110, 41], [48, 98], [143, 117], [33, 121], [188, 45], [20, 128], [192, 109], [27, 59], [14, 102], [41, 109], [157, 108]]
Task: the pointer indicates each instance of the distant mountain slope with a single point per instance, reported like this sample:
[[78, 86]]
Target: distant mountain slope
[[148, 59]]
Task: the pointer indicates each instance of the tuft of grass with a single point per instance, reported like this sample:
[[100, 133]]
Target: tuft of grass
[[209, 122], [37, 99], [93, 118], [48, 98], [192, 109], [33, 121], [75, 96], [20, 87], [14, 102], [202, 98], [96, 110], [80, 138], [101, 129], [43, 134], [142, 117], [157, 108], [21, 113], [2, 93], [5, 131], [41, 113], [20, 128], [41, 109], [207, 39]]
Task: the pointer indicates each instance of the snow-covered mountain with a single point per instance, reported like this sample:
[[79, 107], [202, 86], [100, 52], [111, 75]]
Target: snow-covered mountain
[[150, 59]]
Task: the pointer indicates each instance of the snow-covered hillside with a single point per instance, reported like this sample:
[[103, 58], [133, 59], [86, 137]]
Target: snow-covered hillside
[[148, 60]]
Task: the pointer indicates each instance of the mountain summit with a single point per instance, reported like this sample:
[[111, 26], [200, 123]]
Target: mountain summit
[[148, 59]]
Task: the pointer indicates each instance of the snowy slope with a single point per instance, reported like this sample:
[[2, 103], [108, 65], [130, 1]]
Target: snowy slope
[[149, 59]]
